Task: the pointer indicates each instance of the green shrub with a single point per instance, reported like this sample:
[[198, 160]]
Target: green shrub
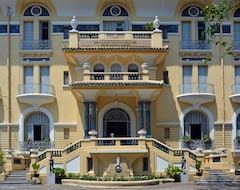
[[59, 172], [173, 171]]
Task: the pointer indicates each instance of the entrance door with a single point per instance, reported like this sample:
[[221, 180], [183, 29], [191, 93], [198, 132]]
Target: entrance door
[[196, 131], [37, 132], [116, 123]]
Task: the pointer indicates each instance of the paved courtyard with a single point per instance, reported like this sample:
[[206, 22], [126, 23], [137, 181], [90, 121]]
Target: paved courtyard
[[173, 186]]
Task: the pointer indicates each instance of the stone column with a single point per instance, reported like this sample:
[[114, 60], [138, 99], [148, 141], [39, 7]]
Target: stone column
[[86, 119], [93, 116], [148, 118], [140, 116]]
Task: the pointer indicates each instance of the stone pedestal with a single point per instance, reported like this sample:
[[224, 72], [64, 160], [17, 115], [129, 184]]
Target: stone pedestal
[[184, 177], [51, 178]]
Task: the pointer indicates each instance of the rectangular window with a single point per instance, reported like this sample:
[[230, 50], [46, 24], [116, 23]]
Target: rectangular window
[[165, 77], [167, 133], [237, 80], [3, 28], [66, 133], [89, 164], [14, 28], [65, 78], [145, 164], [202, 79], [187, 79]]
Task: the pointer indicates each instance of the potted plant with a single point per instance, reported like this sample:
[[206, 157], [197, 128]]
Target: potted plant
[[207, 141], [237, 168], [35, 167], [198, 164], [238, 139], [187, 140], [59, 175], [173, 172]]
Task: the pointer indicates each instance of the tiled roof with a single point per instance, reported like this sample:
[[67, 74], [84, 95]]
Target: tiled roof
[[117, 84]]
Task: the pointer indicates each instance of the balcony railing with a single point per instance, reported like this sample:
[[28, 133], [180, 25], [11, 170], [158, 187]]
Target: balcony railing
[[39, 145], [195, 45], [199, 143], [236, 45], [36, 89], [112, 38], [115, 75], [236, 89], [196, 88], [236, 145], [35, 45]]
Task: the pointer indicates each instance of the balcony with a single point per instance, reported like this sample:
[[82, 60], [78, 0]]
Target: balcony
[[235, 97], [236, 148], [38, 145], [148, 46], [41, 47], [196, 93], [36, 94], [195, 47]]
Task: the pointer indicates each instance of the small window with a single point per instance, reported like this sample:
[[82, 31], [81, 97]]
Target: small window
[[165, 77], [167, 133], [65, 78], [89, 164], [66, 133], [145, 164]]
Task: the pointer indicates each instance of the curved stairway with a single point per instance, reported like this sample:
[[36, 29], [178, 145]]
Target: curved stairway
[[217, 177], [17, 177]]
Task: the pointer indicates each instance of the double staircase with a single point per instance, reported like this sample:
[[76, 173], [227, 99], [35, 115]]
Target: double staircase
[[17, 177], [217, 177]]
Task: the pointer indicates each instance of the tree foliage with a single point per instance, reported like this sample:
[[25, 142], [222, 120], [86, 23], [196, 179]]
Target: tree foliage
[[215, 14]]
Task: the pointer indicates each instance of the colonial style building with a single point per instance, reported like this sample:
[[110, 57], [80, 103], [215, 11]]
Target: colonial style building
[[117, 88]]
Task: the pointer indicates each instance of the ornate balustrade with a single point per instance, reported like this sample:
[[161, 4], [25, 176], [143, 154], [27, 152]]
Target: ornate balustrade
[[195, 45], [39, 145], [35, 45], [114, 75]]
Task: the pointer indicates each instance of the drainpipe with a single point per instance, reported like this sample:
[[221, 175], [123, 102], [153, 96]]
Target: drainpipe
[[9, 79], [223, 88]]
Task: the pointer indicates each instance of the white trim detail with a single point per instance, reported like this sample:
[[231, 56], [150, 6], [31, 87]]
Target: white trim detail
[[194, 108], [27, 112], [123, 106], [234, 125]]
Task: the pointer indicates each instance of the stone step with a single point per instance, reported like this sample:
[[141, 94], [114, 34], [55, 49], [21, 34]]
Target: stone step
[[16, 177]]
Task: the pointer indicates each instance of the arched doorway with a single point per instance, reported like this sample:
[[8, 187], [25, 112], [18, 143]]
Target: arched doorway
[[117, 122], [37, 127]]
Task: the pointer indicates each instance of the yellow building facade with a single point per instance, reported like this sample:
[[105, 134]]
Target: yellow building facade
[[116, 88]]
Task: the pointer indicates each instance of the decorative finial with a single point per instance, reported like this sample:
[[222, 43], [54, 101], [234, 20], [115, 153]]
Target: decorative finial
[[156, 23], [74, 23]]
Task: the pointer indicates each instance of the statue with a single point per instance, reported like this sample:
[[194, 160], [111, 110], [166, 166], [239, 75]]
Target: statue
[[51, 164], [183, 164], [74, 23], [156, 23]]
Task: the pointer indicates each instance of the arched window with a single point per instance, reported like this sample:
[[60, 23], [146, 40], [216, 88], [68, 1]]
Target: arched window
[[36, 10], [196, 125], [115, 72], [36, 127], [115, 10], [33, 25], [116, 67], [193, 18], [98, 67], [133, 75], [132, 67], [120, 22], [192, 11], [116, 123]]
